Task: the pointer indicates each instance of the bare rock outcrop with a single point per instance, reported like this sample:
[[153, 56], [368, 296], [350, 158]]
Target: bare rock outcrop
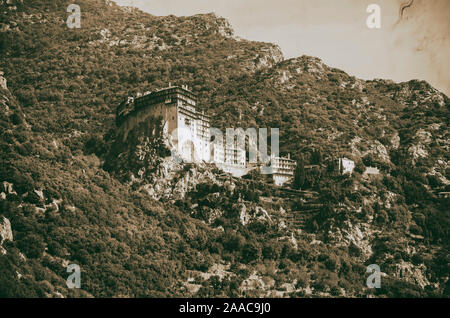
[[358, 235], [411, 273], [251, 213], [2, 81]]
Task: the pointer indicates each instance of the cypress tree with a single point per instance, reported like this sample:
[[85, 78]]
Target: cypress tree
[[299, 174]]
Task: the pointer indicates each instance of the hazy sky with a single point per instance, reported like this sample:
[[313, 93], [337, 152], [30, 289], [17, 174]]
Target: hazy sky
[[416, 47]]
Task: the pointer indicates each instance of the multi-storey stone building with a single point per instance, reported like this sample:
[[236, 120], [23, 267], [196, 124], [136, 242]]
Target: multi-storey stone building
[[189, 131], [187, 128], [283, 169]]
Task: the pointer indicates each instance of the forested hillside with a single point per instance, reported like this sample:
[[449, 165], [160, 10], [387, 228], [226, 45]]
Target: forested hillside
[[71, 192]]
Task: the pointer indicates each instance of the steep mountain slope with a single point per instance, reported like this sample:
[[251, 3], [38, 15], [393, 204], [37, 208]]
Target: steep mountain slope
[[73, 193], [118, 50], [317, 106]]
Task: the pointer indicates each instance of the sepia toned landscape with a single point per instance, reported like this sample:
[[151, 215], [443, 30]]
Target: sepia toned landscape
[[108, 163]]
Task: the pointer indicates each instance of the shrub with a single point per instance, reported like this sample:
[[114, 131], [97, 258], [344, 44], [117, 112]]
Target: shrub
[[251, 252], [32, 245]]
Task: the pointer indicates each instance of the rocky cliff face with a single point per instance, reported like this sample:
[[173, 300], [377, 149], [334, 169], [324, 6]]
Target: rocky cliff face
[[5, 230], [2, 81], [5, 234]]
